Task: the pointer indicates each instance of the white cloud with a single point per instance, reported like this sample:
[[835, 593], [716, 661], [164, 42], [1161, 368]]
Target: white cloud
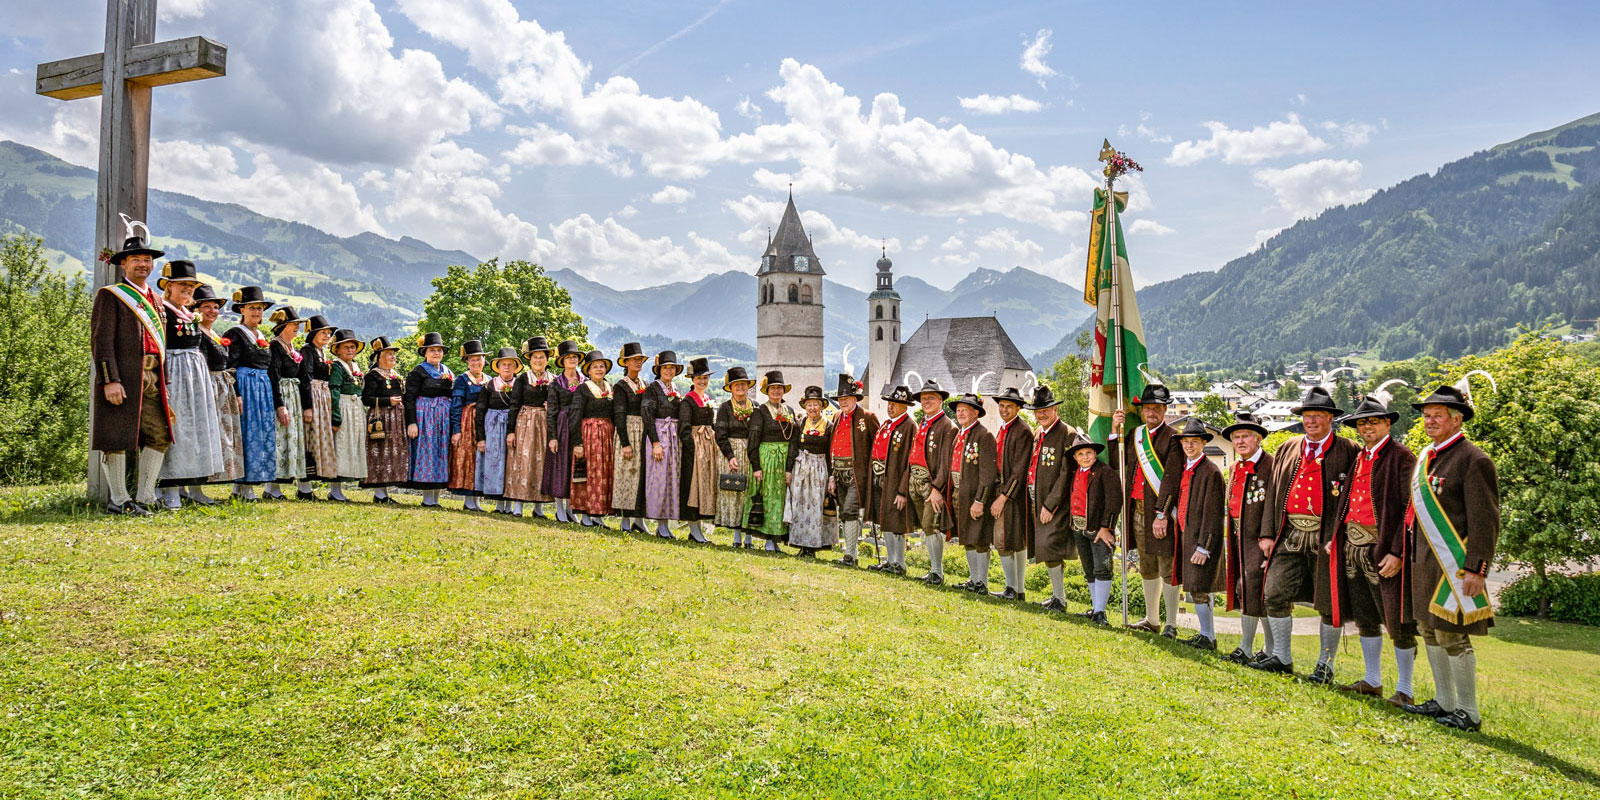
[[1033, 55], [595, 248], [1149, 227], [757, 215], [447, 198], [310, 193], [952, 244], [1306, 189], [1007, 243], [749, 110], [628, 211], [1352, 134], [672, 195], [542, 145], [1299, 99], [919, 242], [1286, 138], [999, 104], [174, 10]]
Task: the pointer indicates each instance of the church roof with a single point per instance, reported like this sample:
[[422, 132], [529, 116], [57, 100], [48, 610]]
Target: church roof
[[954, 350], [789, 241]]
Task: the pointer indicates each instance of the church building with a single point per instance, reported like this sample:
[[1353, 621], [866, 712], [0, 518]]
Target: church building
[[789, 307]]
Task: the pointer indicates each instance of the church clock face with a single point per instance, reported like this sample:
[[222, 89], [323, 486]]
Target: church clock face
[[802, 264]]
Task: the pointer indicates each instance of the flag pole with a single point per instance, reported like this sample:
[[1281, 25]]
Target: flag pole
[[1116, 332]]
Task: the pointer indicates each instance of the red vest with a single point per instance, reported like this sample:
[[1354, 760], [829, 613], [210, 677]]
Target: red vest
[[1000, 442], [1080, 493], [919, 445], [1038, 443], [880, 442], [1361, 510], [1183, 495], [955, 452], [1242, 471], [842, 446], [1305, 496]]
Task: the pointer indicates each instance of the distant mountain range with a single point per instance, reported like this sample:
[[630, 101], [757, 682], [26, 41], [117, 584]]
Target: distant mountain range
[[1444, 263]]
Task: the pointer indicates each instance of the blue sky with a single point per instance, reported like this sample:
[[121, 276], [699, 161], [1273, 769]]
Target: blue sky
[[645, 142]]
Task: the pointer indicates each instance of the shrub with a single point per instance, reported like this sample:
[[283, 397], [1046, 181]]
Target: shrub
[[1573, 598]]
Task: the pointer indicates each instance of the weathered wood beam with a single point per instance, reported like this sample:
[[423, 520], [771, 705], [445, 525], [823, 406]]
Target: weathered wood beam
[[156, 64]]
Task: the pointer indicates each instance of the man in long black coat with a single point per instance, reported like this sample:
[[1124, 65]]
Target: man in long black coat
[[127, 335]]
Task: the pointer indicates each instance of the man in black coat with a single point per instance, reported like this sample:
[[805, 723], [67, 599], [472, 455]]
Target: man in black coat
[[1013, 528], [1147, 453]]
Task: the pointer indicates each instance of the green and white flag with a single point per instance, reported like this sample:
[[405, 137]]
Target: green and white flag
[[1116, 318]]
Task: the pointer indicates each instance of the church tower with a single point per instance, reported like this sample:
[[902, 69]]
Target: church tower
[[789, 307], [883, 335]]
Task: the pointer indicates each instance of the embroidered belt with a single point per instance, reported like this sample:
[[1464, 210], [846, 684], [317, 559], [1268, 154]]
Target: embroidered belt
[[1080, 523], [1359, 533], [1305, 523], [879, 467]]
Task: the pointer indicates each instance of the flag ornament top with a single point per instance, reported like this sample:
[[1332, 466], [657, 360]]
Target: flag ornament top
[[1119, 350]]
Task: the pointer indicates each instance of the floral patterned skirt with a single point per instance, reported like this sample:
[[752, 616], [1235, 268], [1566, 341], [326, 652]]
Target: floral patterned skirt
[[321, 458], [351, 441], [196, 451], [661, 500], [804, 509], [525, 461], [228, 424], [732, 506], [593, 494], [464, 454], [558, 467], [430, 451], [627, 475], [702, 465], [774, 459], [389, 458], [291, 437], [259, 421]]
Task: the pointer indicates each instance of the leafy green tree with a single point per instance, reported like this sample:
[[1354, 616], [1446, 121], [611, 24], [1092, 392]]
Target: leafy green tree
[[1341, 392], [1290, 390], [501, 305], [44, 379], [1415, 372], [1212, 409], [1069, 379], [1539, 428]]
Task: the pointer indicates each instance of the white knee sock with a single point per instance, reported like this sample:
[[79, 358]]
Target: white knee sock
[[1207, 622], [1169, 595], [981, 577], [1019, 569], [1152, 601], [1247, 629], [935, 544], [1330, 636], [1281, 631], [149, 469], [1444, 682], [1099, 593], [972, 564], [1058, 587], [471, 503], [1372, 659], [1270, 638], [114, 469], [273, 491], [772, 545], [852, 538], [695, 532], [430, 497], [1405, 662], [1464, 670], [1005, 568]]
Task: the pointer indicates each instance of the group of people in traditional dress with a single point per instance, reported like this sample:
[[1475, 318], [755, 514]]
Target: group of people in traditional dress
[[1365, 532]]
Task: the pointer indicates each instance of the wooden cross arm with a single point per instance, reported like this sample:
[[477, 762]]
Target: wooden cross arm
[[156, 64]]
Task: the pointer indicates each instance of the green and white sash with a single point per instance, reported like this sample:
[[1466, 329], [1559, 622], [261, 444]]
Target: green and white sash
[[1448, 598], [1148, 461], [147, 314]]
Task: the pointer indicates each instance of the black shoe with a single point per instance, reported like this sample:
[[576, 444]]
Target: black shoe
[[117, 510], [933, 579], [1261, 655], [1143, 626], [978, 588], [199, 498], [1323, 674], [1022, 597], [384, 501], [1239, 656], [1459, 720], [1008, 594], [310, 497], [1428, 709], [1170, 631], [747, 545], [847, 561], [136, 509], [1272, 664], [1200, 642], [1099, 618], [1053, 605], [900, 569], [878, 567]]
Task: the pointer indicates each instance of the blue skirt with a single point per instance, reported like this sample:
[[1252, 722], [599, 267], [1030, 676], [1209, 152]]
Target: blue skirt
[[259, 421], [430, 451], [491, 469]]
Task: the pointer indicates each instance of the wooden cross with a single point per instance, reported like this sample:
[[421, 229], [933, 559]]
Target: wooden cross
[[122, 75]]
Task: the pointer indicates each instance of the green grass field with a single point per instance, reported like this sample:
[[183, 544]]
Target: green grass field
[[314, 650]]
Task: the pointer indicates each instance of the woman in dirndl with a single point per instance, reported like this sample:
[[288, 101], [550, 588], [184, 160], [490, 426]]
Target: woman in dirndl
[[346, 382], [592, 429], [663, 464], [463, 428], [260, 405], [287, 364], [697, 432], [495, 424], [207, 307], [733, 445], [427, 402], [558, 410], [382, 393], [196, 451], [807, 478], [525, 459], [772, 428], [316, 404], [627, 416]]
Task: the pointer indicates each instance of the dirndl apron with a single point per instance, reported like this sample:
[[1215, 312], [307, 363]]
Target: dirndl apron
[[196, 451], [774, 461], [804, 509], [291, 437], [593, 495], [322, 458], [627, 490], [732, 506], [702, 502], [350, 443], [490, 469], [232, 438], [525, 462], [430, 451], [558, 467], [389, 458], [258, 419], [661, 500], [464, 454]]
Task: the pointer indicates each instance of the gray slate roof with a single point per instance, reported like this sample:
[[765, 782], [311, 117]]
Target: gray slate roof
[[954, 350], [790, 241]]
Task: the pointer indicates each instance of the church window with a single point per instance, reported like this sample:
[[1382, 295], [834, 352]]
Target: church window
[[805, 294], [880, 334], [794, 293], [880, 311], [896, 310]]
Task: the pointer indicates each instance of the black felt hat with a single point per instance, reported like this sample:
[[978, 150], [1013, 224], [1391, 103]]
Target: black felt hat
[[849, 387], [1154, 394], [505, 353], [666, 358], [595, 357], [469, 348], [283, 317], [204, 294], [1369, 408], [178, 271], [969, 399], [1317, 399], [316, 323], [1011, 395], [378, 347], [931, 386], [813, 393], [568, 348], [345, 335], [1244, 421], [898, 394], [249, 296], [134, 246], [736, 375], [427, 340], [631, 350], [1193, 428], [698, 366], [536, 344], [774, 378], [1080, 441], [1043, 397], [1449, 397]]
